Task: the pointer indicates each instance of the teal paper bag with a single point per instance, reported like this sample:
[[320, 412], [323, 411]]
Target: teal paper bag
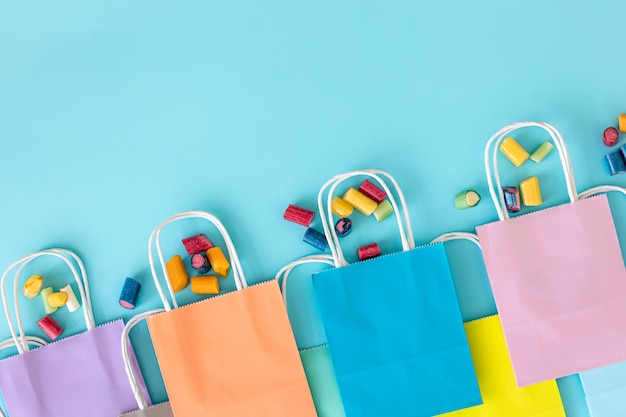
[[605, 390], [394, 327]]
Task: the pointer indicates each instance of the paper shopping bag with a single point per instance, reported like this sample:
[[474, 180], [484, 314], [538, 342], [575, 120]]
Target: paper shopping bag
[[232, 355], [316, 360], [393, 325], [82, 375], [558, 279]]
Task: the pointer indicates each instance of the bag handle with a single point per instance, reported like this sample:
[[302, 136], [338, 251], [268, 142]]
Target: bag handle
[[601, 189], [447, 237], [130, 371], [286, 270], [404, 222], [155, 236], [80, 278], [498, 137]]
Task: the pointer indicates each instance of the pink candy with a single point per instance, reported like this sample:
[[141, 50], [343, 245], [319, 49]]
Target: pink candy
[[372, 191], [299, 215], [369, 251], [50, 327], [196, 244]]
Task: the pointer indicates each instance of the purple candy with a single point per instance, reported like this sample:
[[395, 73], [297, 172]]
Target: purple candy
[[343, 227]]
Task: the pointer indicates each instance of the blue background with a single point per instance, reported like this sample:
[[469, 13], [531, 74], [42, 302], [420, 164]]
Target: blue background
[[116, 115]]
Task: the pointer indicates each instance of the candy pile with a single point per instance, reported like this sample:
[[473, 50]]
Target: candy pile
[[616, 160]]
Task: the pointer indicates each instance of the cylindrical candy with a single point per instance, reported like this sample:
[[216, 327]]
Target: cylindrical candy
[[205, 285], [368, 251], [57, 299], [32, 286], [622, 122], [541, 152], [466, 199], [50, 327], [343, 227], [341, 208], [298, 215], [197, 243], [372, 191], [531, 193], [616, 161], [130, 292], [200, 263], [218, 261], [514, 151], [360, 201], [511, 199], [44, 299], [315, 239], [177, 273], [384, 210], [610, 137], [72, 302]]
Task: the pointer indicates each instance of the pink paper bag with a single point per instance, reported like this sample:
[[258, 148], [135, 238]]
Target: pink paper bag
[[558, 279]]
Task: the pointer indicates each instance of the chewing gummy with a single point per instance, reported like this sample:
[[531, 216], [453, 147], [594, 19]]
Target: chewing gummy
[[315, 239], [200, 263], [514, 151], [218, 261], [205, 285], [343, 227], [32, 286], [372, 191], [466, 199], [299, 215], [72, 303], [44, 299], [57, 299], [50, 327], [383, 210], [541, 152], [531, 193], [177, 273], [130, 292], [360, 201], [368, 251], [196, 244], [341, 208]]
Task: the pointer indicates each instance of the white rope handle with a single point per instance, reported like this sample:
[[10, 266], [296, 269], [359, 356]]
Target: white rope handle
[[446, 237], [403, 218], [492, 147], [81, 282], [240, 280], [286, 270], [601, 189], [130, 372]]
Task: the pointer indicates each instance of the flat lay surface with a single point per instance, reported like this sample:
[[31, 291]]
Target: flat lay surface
[[115, 116]]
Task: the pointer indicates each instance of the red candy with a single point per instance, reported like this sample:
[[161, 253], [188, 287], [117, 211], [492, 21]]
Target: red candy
[[50, 327], [369, 251], [196, 244], [372, 191], [610, 136], [299, 215]]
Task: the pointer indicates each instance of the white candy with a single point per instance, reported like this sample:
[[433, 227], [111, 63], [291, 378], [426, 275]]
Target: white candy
[[72, 302]]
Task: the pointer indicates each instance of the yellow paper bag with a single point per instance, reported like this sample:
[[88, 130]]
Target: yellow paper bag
[[501, 396]]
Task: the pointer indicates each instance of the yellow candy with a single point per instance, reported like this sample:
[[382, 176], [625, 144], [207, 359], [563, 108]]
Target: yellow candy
[[531, 193], [514, 151], [177, 273], [205, 285], [341, 208], [44, 298], [32, 286], [58, 299], [622, 122], [218, 261], [360, 201]]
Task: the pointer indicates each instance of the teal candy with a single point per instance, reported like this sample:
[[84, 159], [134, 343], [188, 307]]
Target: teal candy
[[321, 376]]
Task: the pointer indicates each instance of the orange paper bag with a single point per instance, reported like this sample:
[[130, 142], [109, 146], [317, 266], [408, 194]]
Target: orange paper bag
[[232, 355]]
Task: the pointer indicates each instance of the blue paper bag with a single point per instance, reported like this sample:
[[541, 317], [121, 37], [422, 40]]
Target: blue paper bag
[[605, 390], [394, 327]]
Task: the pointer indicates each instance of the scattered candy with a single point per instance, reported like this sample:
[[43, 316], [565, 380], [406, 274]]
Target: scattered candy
[[32, 286], [541, 152], [341, 208], [72, 302], [50, 327], [57, 299], [616, 161], [218, 261], [130, 292], [299, 215], [343, 227], [205, 285], [514, 151], [384, 210], [177, 273], [622, 122], [44, 298], [369, 251], [466, 199], [610, 136], [315, 239], [372, 191], [200, 263], [197, 243], [511, 199], [531, 193], [360, 201]]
